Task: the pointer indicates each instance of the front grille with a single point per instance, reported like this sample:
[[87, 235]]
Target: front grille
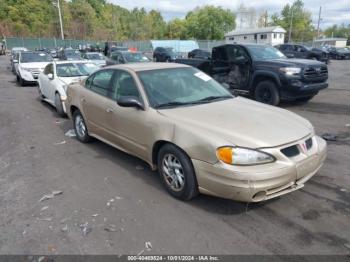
[[293, 150], [290, 151], [309, 143], [315, 72]]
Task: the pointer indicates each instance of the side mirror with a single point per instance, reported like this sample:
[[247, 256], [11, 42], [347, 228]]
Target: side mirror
[[15, 61], [241, 60], [50, 76], [130, 101]]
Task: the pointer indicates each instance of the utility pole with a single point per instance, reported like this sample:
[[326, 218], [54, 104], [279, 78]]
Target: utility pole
[[319, 21], [291, 25], [60, 17]]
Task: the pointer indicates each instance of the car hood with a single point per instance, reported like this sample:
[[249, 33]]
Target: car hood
[[35, 65], [69, 80], [242, 122], [290, 62]]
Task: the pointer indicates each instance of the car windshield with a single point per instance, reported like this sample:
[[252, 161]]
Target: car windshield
[[94, 56], [170, 51], [265, 52], [343, 50], [73, 54], [174, 87], [75, 69], [135, 57], [35, 57]]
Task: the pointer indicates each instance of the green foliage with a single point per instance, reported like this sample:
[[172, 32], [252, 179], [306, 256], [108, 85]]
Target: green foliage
[[338, 31], [100, 19], [209, 23], [300, 18]]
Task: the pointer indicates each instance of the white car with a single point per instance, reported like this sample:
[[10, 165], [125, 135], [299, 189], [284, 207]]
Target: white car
[[56, 77], [96, 58], [29, 65]]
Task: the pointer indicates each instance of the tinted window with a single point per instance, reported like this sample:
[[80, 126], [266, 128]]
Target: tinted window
[[101, 81], [48, 69], [124, 85]]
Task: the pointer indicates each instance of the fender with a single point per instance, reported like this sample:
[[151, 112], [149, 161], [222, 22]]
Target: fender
[[267, 74]]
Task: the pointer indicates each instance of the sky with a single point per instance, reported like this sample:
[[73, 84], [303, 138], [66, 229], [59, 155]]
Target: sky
[[333, 11]]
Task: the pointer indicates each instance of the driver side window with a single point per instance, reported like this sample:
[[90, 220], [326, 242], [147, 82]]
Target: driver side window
[[48, 69], [124, 85]]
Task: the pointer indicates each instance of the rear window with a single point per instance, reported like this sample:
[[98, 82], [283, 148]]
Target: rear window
[[35, 57]]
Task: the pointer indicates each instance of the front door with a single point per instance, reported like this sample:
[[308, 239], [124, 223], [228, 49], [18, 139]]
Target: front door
[[127, 127]]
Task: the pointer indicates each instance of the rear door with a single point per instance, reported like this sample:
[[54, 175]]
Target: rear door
[[93, 101]]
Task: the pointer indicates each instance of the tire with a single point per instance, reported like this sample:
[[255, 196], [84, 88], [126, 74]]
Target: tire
[[21, 81], [78, 120], [173, 159], [41, 96], [266, 92], [59, 105], [305, 99]]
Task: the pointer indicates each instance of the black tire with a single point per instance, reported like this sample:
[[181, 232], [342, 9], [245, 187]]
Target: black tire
[[17, 78], [59, 105], [84, 138], [305, 99], [189, 189], [22, 82], [266, 92]]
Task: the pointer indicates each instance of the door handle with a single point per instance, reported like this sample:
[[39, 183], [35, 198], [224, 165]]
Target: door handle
[[83, 100], [109, 110]]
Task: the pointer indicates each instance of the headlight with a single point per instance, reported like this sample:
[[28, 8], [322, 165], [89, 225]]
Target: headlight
[[291, 70], [243, 156]]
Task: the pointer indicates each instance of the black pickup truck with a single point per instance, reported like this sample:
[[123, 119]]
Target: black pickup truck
[[263, 72]]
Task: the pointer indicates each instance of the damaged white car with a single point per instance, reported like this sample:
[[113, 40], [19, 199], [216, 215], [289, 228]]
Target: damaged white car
[[53, 81]]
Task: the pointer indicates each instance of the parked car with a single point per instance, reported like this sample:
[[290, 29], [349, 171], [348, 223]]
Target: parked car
[[200, 137], [53, 81], [14, 57], [339, 53], [263, 72], [124, 57], [29, 66], [199, 53], [301, 51], [69, 54], [2, 48], [96, 58], [164, 54]]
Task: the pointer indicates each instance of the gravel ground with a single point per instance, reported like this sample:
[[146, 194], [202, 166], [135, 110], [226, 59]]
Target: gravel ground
[[36, 158]]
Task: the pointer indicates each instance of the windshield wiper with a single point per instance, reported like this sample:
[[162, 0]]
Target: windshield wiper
[[170, 104], [212, 98]]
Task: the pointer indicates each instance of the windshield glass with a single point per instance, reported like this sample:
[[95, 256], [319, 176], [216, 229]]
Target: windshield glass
[[94, 56], [265, 52], [343, 50], [181, 86], [170, 51], [75, 69], [35, 57], [135, 57], [73, 54]]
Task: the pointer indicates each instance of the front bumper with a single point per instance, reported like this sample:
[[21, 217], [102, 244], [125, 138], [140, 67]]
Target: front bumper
[[261, 182], [29, 76], [296, 88]]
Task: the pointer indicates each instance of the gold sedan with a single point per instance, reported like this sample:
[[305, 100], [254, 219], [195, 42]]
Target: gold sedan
[[200, 138]]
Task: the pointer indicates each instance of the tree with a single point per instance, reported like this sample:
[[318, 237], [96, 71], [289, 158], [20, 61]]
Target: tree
[[302, 29], [338, 31], [176, 29], [209, 22]]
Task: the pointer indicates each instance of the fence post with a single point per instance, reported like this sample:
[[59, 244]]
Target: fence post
[[23, 42], [54, 40], [39, 43]]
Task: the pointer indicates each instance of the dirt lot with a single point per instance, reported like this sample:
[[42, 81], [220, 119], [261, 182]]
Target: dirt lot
[[37, 158]]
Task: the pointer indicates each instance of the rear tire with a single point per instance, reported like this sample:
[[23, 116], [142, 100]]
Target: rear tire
[[59, 105], [80, 127], [177, 173], [266, 92]]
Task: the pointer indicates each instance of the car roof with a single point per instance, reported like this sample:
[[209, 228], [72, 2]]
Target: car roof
[[137, 67], [72, 62]]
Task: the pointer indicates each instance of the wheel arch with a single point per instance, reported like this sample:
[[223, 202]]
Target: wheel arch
[[259, 77]]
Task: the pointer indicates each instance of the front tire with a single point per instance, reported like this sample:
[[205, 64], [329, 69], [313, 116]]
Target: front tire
[[80, 127], [59, 105], [266, 92], [177, 173]]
